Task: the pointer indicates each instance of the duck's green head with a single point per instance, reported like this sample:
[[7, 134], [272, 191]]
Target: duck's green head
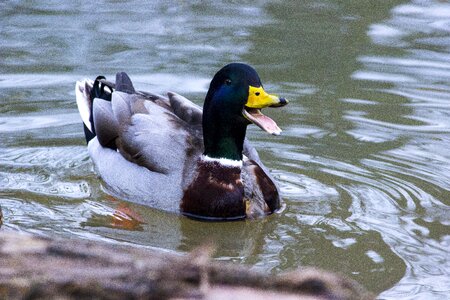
[[234, 100]]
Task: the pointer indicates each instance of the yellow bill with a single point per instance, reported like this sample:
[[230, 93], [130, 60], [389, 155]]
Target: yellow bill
[[258, 98]]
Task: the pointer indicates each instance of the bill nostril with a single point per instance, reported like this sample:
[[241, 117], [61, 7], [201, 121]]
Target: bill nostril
[[257, 93]]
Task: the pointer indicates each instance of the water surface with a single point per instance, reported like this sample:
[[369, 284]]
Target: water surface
[[363, 162]]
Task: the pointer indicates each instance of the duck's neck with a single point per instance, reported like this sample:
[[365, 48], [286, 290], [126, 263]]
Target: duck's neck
[[224, 126], [224, 140]]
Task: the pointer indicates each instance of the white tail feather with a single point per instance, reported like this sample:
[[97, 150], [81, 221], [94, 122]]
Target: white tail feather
[[83, 101]]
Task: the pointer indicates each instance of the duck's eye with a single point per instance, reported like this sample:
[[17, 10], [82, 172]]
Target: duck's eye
[[228, 81], [257, 93]]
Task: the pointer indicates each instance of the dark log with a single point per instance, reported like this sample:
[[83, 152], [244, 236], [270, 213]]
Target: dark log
[[43, 268]]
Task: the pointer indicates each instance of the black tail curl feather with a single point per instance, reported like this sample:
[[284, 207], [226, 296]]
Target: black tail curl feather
[[98, 89]]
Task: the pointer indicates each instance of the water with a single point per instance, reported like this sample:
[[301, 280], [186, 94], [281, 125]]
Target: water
[[363, 161]]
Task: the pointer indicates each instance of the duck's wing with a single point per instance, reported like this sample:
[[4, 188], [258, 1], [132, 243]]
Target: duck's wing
[[147, 129], [150, 135]]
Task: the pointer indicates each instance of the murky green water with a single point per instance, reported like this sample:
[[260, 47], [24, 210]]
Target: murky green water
[[364, 161]]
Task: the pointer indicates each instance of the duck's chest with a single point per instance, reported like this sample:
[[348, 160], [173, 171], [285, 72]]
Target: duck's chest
[[229, 192]]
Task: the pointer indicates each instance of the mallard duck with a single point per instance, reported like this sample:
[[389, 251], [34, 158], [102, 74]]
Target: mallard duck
[[168, 154]]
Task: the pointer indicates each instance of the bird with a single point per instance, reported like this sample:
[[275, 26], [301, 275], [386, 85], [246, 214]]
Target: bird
[[168, 153]]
